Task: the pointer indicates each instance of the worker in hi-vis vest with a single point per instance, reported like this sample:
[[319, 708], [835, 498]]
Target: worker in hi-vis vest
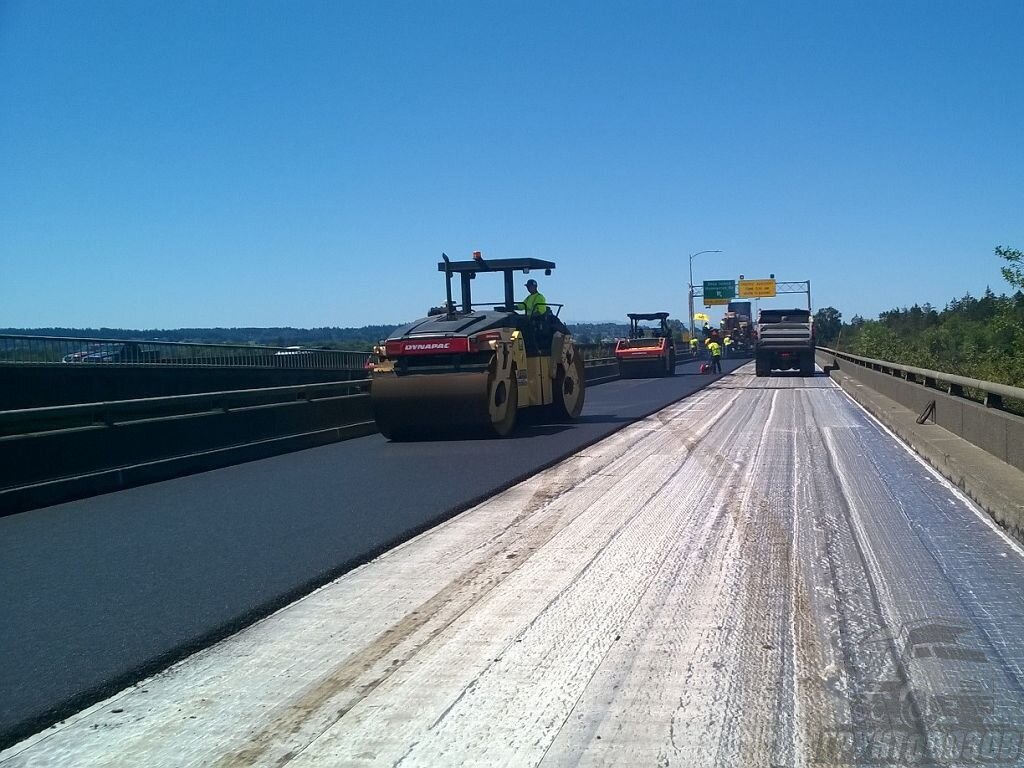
[[716, 356], [534, 304]]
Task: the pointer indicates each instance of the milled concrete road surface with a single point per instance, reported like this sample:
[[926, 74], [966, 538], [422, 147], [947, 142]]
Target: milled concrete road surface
[[759, 575], [96, 593]]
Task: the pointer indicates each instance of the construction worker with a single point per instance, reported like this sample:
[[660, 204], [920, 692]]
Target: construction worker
[[727, 346], [716, 356], [535, 303], [693, 347]]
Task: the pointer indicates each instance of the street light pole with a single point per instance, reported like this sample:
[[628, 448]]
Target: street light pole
[[698, 253]]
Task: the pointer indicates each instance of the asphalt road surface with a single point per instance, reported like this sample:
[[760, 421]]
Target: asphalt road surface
[[98, 592], [759, 575]]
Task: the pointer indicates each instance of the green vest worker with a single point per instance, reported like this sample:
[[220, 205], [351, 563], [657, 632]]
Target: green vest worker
[[716, 356], [693, 346], [534, 304]]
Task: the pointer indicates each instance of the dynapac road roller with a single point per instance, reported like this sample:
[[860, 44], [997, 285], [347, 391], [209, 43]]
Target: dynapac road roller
[[647, 351], [472, 368]]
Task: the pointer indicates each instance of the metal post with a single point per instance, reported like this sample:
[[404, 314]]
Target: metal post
[[692, 325], [510, 292], [467, 300], [449, 307], [691, 298]]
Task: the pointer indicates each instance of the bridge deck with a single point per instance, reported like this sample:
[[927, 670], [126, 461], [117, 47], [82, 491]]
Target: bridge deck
[[757, 575]]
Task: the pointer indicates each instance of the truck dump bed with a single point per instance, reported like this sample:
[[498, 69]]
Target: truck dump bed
[[785, 340]]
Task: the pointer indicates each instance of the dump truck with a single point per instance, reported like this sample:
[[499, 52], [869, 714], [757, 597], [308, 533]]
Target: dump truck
[[647, 351], [471, 368], [785, 341]]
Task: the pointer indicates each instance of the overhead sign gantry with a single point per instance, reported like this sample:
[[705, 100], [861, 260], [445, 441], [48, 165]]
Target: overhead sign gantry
[[721, 292]]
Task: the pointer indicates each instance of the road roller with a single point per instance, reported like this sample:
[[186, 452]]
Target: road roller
[[471, 368], [649, 351]]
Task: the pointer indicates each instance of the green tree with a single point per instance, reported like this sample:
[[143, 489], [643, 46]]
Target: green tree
[[1013, 272], [982, 338], [827, 324]]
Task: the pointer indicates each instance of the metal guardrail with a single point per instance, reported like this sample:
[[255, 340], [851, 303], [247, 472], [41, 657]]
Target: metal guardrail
[[49, 350], [955, 385]]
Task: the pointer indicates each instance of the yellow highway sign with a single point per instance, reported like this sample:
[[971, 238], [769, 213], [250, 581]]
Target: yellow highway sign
[[757, 289], [713, 302]]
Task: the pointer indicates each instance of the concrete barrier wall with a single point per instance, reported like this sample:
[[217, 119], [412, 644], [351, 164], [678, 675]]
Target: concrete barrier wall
[[41, 456], [997, 432], [597, 374], [49, 467], [40, 386]]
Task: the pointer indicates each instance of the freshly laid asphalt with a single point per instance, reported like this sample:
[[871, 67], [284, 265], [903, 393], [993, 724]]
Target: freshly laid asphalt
[[98, 593]]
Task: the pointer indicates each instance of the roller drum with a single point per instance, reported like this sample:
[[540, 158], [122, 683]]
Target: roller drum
[[440, 405]]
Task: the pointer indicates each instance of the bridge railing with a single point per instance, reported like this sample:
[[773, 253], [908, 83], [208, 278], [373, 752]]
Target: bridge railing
[[43, 350], [82, 351], [992, 394]]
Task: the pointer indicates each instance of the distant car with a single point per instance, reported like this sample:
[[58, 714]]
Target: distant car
[[92, 354], [296, 357], [128, 352], [76, 357]]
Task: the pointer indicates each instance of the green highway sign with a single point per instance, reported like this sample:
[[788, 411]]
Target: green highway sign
[[719, 289]]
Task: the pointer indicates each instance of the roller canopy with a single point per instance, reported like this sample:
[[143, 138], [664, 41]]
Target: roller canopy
[[495, 265]]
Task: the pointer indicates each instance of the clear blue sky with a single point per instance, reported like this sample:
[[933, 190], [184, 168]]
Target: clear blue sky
[[305, 163]]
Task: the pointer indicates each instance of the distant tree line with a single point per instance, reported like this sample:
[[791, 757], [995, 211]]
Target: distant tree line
[[980, 337], [597, 333]]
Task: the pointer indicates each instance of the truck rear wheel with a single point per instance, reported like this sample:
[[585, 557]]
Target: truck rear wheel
[[807, 364], [761, 366]]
